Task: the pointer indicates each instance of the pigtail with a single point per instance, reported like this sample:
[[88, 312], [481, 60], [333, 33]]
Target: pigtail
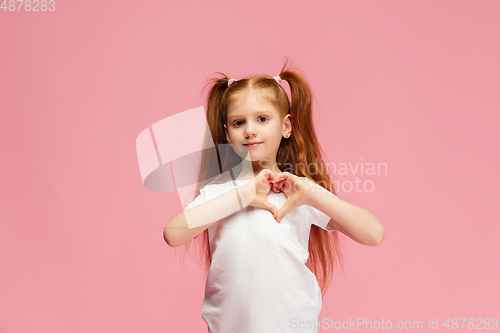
[[304, 153], [211, 164]]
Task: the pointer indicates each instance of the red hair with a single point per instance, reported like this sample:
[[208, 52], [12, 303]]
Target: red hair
[[301, 152]]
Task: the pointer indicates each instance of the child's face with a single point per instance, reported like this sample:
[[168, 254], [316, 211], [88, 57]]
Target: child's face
[[254, 119]]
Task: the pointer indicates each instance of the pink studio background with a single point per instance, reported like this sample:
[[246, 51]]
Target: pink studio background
[[412, 84]]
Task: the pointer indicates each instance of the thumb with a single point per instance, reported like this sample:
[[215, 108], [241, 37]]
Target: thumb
[[283, 210], [272, 208]]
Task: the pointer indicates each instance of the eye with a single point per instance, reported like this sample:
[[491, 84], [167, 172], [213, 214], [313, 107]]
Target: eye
[[240, 122]]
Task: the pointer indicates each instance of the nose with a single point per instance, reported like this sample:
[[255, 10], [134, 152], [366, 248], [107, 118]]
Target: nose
[[250, 131]]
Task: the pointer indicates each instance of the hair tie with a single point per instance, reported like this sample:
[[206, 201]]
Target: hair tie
[[278, 79]]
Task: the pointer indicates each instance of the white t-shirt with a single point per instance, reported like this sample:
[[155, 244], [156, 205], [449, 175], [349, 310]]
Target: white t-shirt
[[258, 281]]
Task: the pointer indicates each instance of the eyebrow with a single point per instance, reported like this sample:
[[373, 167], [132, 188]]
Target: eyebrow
[[255, 112]]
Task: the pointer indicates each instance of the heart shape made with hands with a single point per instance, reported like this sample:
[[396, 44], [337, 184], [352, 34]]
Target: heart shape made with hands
[[290, 185]]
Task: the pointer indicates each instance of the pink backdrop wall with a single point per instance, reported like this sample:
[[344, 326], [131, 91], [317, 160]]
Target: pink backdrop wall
[[412, 84]]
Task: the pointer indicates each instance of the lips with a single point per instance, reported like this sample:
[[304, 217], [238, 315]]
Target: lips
[[252, 144]]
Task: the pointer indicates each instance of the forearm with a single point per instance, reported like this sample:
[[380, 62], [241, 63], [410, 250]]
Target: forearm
[[356, 222], [191, 222]]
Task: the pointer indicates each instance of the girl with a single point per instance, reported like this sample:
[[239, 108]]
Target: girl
[[269, 253]]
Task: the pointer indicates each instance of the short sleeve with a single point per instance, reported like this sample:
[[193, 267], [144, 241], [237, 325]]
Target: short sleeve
[[201, 198], [321, 219]]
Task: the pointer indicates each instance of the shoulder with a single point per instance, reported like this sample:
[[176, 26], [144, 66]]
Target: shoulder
[[213, 190]]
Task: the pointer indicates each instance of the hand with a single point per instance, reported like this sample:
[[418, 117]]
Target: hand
[[295, 189], [257, 190]]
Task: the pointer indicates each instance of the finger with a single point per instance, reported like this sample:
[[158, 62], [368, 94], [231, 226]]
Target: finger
[[269, 174], [282, 177], [280, 214], [285, 186], [264, 180], [283, 210], [272, 208], [284, 174], [280, 185]]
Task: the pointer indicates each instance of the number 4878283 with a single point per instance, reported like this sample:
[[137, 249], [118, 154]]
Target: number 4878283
[[28, 5]]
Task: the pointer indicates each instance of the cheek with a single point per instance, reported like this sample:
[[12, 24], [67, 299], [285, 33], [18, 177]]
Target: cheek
[[232, 134], [277, 132]]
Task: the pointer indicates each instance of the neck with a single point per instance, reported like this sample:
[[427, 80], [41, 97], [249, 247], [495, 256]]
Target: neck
[[258, 166], [249, 173]]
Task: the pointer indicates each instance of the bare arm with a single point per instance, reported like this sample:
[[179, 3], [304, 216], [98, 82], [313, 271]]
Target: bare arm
[[355, 222], [189, 223]]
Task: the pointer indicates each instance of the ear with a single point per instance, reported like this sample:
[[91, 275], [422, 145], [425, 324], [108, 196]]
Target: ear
[[227, 133], [287, 125]]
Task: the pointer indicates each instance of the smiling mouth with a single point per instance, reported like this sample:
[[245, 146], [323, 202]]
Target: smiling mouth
[[252, 145]]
